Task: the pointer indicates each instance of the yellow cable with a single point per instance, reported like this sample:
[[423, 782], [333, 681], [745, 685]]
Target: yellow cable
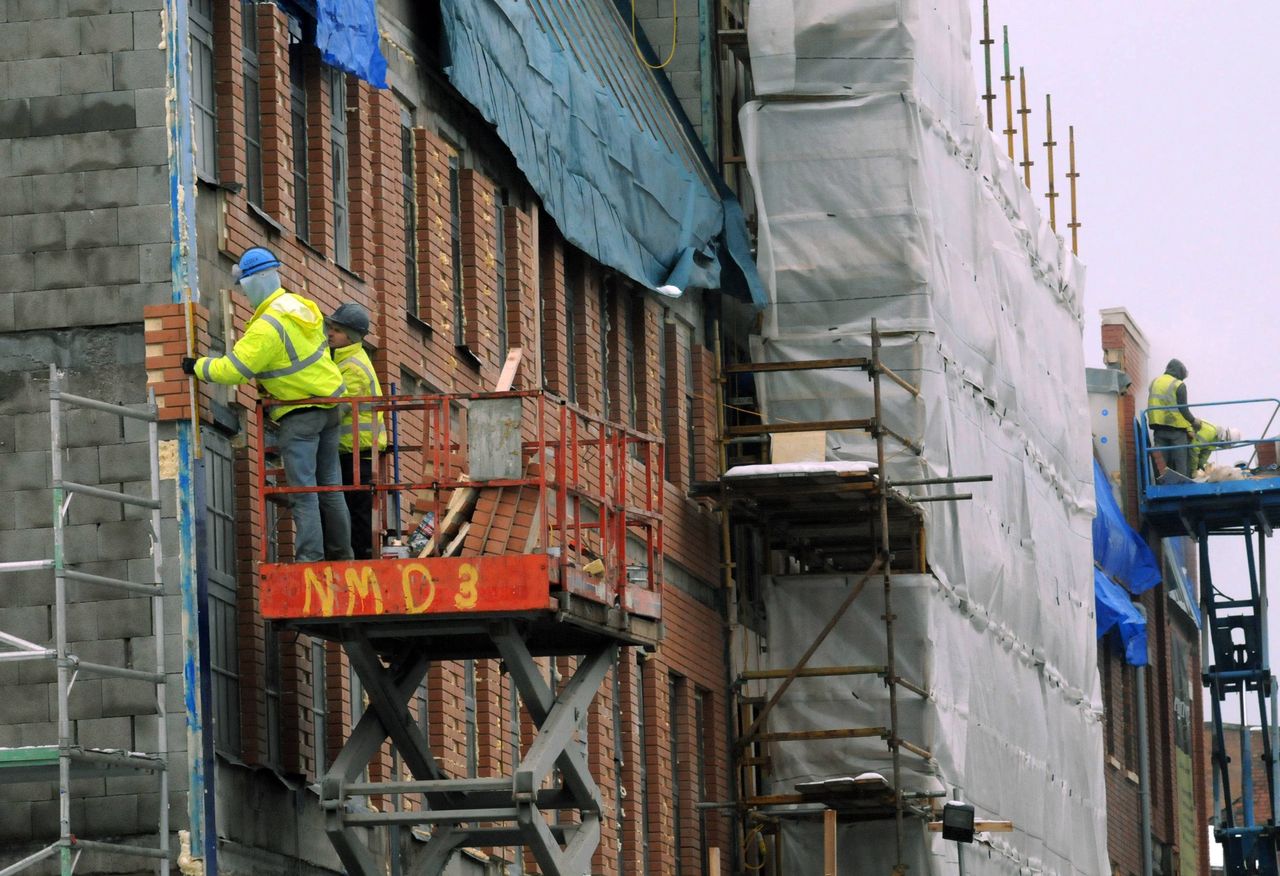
[[762, 848], [635, 40]]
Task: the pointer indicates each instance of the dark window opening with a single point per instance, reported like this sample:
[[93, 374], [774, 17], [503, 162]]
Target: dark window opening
[[410, 206], [455, 249], [298, 121], [338, 167], [203, 90], [252, 105], [500, 262]]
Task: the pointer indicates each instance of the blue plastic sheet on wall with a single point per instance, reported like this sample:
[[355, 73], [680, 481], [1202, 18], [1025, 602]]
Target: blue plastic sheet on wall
[[597, 139], [347, 36], [1117, 549], [1117, 615]]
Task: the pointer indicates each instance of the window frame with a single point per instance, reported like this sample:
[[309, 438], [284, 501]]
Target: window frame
[[455, 249], [221, 563], [500, 264], [675, 686], [339, 167], [204, 73], [299, 107], [251, 80], [319, 706], [409, 203]]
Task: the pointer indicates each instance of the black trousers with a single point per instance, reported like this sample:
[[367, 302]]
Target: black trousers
[[360, 504]]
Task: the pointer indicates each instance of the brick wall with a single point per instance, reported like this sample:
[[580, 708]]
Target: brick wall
[[88, 215], [1169, 633]]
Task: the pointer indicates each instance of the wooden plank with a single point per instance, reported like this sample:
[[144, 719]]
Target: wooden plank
[[436, 585], [829, 843], [813, 425], [463, 499], [801, 365], [979, 826]]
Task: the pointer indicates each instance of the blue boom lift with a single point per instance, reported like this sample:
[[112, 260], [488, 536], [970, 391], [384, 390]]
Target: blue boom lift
[[1234, 633]]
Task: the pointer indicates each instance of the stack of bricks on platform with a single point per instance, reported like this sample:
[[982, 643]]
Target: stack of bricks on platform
[[165, 327]]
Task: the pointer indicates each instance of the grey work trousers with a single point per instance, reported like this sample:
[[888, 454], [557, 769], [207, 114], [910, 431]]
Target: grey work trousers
[[308, 440]]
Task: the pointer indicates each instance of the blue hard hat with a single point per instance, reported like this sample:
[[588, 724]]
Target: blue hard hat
[[254, 261]]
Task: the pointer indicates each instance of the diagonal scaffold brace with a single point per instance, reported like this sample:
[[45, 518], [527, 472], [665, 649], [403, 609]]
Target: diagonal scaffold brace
[[518, 809]]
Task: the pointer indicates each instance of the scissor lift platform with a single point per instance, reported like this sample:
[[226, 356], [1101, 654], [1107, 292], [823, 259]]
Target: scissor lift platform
[[393, 617], [1235, 650]]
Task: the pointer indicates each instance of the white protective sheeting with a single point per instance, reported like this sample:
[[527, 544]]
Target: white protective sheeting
[[881, 194]]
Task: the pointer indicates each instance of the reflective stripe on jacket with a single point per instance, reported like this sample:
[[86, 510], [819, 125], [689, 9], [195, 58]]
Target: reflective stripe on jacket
[[1206, 434], [1164, 393], [362, 382], [283, 348]]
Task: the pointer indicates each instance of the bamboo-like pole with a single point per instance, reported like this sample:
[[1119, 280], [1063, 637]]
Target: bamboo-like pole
[[987, 42], [1049, 143], [1025, 111], [1007, 79], [1073, 175]]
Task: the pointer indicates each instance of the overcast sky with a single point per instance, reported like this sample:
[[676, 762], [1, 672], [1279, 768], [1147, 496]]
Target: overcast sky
[[1174, 106]]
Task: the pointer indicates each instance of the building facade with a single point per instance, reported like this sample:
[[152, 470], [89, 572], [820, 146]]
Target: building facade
[[119, 225], [1174, 700]]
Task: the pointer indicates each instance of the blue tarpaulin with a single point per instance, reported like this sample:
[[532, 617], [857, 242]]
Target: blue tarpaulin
[[347, 36], [1117, 549], [1122, 557], [1115, 612], [598, 139]]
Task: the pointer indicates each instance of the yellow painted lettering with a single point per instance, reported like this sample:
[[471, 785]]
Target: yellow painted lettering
[[362, 585], [322, 589], [467, 595], [416, 577]]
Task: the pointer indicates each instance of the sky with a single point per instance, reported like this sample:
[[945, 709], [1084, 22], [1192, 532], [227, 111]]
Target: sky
[[1173, 104]]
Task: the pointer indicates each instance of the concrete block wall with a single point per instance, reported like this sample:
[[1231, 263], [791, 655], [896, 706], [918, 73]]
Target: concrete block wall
[[674, 30], [84, 216], [84, 246], [103, 625]]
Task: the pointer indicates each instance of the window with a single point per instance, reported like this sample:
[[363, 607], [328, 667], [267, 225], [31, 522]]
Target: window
[[224, 657], [203, 102], [410, 205], [642, 737], [341, 191], [634, 341], [604, 297], [701, 705], [677, 791], [664, 416], [455, 241], [298, 121], [271, 690], [690, 429], [500, 263], [517, 853], [319, 707], [572, 303], [619, 762], [252, 105], [469, 695]]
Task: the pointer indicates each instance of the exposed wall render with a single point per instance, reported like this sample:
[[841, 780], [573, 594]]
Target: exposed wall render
[[881, 195]]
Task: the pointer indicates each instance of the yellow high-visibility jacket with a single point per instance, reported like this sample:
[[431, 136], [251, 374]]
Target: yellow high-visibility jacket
[[362, 382], [284, 348], [1164, 393], [1207, 433]]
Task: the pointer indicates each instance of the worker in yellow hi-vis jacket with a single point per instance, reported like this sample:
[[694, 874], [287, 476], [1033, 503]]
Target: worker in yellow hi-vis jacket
[[285, 350], [347, 327], [1176, 425]]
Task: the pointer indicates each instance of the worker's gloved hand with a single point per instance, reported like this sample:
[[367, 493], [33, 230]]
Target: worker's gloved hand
[[1195, 424], [188, 365]]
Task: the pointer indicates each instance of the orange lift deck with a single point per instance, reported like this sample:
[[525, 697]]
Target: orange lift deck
[[547, 542]]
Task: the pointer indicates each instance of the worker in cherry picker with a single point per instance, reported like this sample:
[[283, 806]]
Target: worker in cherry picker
[[1173, 429], [1207, 435], [285, 350], [347, 328]]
